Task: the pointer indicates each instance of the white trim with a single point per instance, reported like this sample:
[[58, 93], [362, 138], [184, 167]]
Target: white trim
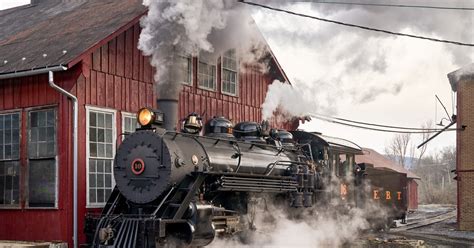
[[215, 75], [236, 74], [114, 135]]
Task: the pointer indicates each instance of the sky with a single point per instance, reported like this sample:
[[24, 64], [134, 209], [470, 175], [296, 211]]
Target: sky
[[6, 4], [368, 76]]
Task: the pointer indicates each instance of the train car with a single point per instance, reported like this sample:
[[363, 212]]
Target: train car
[[387, 188]]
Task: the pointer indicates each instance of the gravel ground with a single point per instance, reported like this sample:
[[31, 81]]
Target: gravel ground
[[440, 234]]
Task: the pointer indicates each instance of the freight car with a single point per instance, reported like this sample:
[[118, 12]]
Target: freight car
[[183, 189]]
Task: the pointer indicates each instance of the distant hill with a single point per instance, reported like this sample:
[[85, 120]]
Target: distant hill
[[410, 162]]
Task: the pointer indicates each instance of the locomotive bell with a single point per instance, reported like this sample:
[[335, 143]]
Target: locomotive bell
[[192, 124]]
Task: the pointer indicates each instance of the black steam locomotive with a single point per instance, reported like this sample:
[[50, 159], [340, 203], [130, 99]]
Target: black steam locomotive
[[184, 189]]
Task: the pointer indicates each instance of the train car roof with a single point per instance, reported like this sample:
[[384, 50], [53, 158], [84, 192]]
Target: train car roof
[[380, 161]]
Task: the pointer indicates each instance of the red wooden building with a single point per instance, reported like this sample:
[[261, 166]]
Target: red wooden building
[[92, 48]]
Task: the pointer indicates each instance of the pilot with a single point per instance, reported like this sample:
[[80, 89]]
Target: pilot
[[219, 126], [192, 124]]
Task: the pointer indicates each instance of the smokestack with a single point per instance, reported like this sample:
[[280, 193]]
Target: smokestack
[[168, 88]]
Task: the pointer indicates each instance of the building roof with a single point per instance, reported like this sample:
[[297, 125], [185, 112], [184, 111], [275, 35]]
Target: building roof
[[380, 161], [465, 73], [48, 33]]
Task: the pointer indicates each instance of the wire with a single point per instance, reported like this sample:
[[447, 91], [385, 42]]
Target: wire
[[357, 26], [384, 130], [394, 5], [376, 125]]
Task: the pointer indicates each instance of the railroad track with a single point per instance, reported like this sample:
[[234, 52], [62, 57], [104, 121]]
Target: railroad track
[[410, 231], [425, 222]]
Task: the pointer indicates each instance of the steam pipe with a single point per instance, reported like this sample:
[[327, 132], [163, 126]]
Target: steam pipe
[[75, 120]]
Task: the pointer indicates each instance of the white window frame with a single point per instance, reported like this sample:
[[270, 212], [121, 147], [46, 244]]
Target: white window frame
[[236, 74], [114, 143], [188, 56], [215, 74], [126, 115], [20, 176], [26, 187]]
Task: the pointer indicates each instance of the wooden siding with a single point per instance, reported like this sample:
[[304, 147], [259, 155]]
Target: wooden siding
[[245, 106], [23, 94], [412, 194]]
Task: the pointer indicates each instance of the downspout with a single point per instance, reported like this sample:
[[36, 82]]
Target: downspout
[[75, 120]]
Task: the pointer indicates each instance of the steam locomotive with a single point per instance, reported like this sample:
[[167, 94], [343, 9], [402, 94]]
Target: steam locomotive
[[184, 189]]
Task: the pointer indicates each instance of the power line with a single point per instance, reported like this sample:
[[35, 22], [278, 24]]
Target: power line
[[358, 26], [383, 130], [376, 125], [394, 5]]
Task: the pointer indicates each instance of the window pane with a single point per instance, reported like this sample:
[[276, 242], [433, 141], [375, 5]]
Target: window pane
[[9, 183], [42, 183], [92, 180], [100, 195], [108, 121], [100, 150], [206, 76], [92, 119], [92, 196], [93, 149], [42, 134], [100, 181], [108, 151], [100, 120], [101, 135], [108, 180], [92, 165]]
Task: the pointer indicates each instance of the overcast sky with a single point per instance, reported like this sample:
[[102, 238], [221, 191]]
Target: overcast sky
[[369, 76]]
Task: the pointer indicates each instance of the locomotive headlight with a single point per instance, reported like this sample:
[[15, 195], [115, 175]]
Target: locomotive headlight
[[145, 117]]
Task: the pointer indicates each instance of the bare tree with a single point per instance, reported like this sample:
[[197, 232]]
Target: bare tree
[[402, 149], [398, 148], [424, 137]]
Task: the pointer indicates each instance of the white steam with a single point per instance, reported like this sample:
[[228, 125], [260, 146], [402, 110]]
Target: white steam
[[295, 100], [208, 28], [332, 222]]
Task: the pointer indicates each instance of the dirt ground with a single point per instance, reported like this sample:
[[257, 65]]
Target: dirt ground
[[421, 232]]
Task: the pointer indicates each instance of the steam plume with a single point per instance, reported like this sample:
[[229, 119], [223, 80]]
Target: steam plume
[[189, 27]]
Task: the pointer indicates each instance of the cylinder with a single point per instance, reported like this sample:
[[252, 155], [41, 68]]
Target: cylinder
[[169, 107]]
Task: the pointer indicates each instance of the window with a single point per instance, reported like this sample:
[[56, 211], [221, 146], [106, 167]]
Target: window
[[9, 159], [129, 123], [185, 64], [42, 171], [229, 72], [101, 143], [207, 75]]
